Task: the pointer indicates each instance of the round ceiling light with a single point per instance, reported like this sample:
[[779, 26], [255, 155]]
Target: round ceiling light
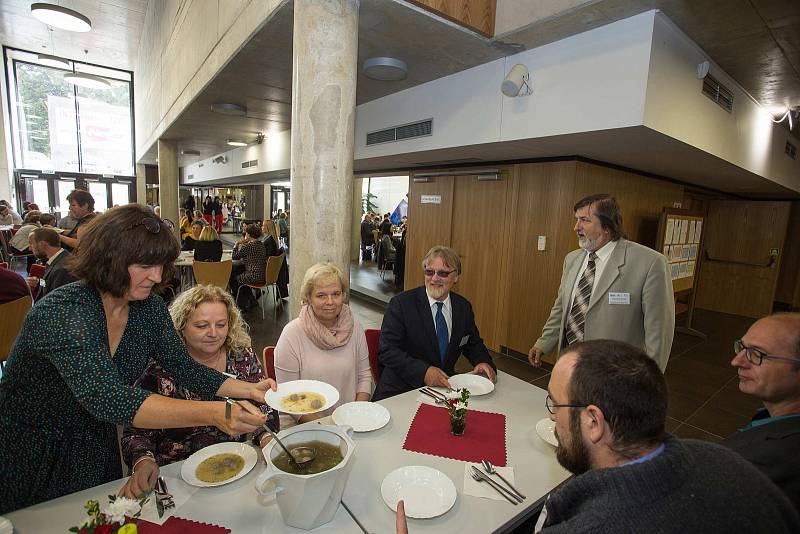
[[236, 142], [227, 108], [84, 79], [61, 17], [385, 69], [54, 61]]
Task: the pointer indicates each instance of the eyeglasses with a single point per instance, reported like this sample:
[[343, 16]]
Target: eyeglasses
[[551, 405], [152, 225], [442, 273], [755, 356]]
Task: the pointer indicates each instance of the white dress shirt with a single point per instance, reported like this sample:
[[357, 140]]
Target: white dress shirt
[[54, 256], [447, 311], [603, 254]]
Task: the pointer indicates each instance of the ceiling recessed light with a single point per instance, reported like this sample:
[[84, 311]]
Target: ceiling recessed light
[[61, 17], [190, 152], [236, 142], [385, 69], [84, 79], [227, 108], [54, 61]]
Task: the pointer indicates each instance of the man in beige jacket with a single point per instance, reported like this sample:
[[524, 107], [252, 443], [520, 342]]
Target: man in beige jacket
[[611, 288]]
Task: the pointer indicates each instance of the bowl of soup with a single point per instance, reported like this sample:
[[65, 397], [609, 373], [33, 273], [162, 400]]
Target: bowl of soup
[[309, 496]]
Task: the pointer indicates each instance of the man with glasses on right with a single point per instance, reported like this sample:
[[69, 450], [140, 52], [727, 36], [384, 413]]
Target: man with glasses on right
[[768, 362]]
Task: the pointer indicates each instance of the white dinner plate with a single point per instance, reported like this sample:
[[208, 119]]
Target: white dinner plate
[[5, 526], [362, 416], [476, 384], [190, 465], [275, 398], [547, 431], [425, 492]]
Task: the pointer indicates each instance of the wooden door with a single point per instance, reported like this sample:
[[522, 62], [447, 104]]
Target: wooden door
[[738, 274], [428, 223]]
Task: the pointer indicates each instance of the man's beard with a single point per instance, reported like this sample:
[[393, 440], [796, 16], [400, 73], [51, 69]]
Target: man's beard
[[436, 292], [574, 457], [589, 245]]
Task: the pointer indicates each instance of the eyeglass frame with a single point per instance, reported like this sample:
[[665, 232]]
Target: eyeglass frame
[[438, 272], [550, 404], [738, 347], [147, 227]]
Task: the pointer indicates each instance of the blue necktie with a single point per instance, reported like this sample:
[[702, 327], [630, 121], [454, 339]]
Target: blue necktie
[[441, 331]]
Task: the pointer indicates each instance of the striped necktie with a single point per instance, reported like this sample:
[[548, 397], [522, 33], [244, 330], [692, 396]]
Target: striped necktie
[[580, 304]]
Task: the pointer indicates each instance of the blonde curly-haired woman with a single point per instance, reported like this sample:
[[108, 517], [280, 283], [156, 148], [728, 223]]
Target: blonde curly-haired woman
[[215, 335]]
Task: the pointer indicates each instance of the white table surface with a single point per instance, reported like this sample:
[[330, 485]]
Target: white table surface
[[536, 470], [237, 506]]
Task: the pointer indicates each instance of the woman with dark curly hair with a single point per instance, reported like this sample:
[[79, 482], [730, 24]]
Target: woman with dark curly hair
[[69, 379]]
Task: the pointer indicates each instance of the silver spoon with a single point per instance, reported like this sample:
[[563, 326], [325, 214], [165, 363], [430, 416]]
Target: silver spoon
[[299, 456], [492, 471]]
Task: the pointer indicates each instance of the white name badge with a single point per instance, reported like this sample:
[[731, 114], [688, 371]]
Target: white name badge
[[619, 298]]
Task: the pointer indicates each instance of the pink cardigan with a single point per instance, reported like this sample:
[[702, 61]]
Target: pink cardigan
[[346, 368]]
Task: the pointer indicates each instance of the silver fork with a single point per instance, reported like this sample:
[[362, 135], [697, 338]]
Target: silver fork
[[497, 488], [436, 398]]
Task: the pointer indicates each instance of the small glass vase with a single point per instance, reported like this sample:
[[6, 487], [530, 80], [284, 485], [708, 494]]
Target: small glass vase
[[458, 425]]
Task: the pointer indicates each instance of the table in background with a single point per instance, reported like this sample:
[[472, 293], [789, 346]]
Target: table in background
[[237, 506], [536, 470], [184, 267]]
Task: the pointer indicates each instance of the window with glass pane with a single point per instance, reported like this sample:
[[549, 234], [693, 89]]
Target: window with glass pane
[[65, 187], [120, 194], [40, 196], [48, 135], [105, 127], [99, 192]]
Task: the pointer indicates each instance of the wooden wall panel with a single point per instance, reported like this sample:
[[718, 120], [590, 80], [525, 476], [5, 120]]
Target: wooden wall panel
[[478, 15], [479, 230], [428, 224], [739, 236], [788, 290]]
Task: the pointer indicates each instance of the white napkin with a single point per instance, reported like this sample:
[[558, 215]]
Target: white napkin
[[484, 489], [180, 490]]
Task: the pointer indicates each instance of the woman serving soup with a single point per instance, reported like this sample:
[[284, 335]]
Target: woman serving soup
[[69, 379], [325, 342]]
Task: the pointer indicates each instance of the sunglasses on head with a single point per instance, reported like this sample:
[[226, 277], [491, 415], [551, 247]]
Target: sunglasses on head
[[441, 273], [151, 224]]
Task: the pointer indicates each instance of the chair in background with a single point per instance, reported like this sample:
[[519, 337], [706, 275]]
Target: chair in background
[[373, 340], [271, 275], [37, 271], [386, 255], [213, 273], [13, 314], [3, 265], [268, 361]]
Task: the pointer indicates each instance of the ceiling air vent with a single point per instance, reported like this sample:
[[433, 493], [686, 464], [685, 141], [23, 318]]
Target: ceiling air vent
[[251, 163], [190, 177], [399, 133], [718, 93]]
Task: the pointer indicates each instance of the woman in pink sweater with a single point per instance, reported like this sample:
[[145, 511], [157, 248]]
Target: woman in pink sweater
[[325, 342]]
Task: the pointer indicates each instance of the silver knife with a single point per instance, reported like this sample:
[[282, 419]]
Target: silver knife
[[503, 491], [159, 505]]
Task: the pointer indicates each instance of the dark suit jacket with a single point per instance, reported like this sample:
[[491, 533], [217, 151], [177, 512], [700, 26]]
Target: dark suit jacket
[[773, 448], [408, 344], [56, 274], [208, 250]]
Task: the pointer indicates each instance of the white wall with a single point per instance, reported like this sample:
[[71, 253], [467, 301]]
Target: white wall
[[273, 154], [579, 85], [676, 107]]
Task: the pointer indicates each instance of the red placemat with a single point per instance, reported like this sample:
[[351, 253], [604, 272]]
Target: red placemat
[[484, 438], [178, 525]]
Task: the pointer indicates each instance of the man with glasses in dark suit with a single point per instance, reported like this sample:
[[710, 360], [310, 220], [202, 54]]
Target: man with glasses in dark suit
[[768, 364], [426, 329]]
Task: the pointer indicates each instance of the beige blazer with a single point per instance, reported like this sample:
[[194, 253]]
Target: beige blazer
[[639, 276]]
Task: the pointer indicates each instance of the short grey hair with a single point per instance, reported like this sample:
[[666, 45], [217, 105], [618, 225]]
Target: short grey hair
[[448, 255]]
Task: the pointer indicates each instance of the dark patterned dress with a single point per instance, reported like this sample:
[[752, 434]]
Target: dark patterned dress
[[63, 392], [174, 444]]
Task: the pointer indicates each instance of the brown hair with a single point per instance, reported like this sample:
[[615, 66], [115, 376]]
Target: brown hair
[[48, 235], [47, 218], [82, 198], [117, 239], [253, 230], [606, 208], [32, 217]]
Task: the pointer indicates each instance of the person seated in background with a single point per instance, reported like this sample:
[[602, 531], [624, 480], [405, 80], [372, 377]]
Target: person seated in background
[[768, 363], [185, 225], [367, 241], [47, 220], [272, 246], [12, 286], [198, 215], [191, 240], [157, 211], [19, 243], [326, 341], [208, 246], [81, 206], [386, 225], [426, 329], [215, 335], [44, 243], [15, 217], [253, 269], [6, 219]]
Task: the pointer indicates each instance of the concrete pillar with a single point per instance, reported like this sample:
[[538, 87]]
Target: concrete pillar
[[324, 66], [141, 184], [168, 177], [267, 192]]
